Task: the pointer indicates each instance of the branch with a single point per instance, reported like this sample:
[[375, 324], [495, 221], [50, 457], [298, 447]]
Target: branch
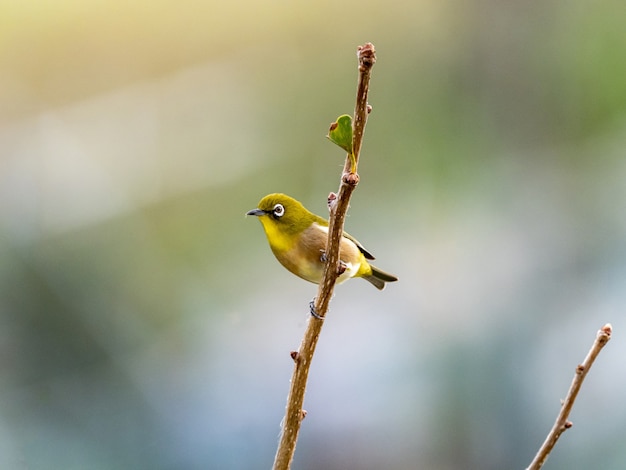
[[562, 424], [294, 413]]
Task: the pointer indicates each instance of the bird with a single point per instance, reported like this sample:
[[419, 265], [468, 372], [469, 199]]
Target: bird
[[298, 239]]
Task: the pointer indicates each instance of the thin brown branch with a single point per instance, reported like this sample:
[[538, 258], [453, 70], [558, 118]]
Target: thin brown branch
[[294, 413], [562, 423]]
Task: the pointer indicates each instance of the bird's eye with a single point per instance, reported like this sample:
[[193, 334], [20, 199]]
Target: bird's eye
[[279, 210]]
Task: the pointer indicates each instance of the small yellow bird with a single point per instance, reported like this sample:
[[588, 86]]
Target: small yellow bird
[[298, 239]]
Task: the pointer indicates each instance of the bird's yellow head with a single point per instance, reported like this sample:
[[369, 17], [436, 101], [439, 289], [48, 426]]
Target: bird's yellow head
[[282, 217]]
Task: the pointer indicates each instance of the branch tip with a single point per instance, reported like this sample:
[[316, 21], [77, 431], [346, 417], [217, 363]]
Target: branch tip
[[561, 423], [367, 56], [604, 334]]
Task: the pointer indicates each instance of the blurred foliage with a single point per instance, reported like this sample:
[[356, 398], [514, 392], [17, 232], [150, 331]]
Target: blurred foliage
[[143, 320]]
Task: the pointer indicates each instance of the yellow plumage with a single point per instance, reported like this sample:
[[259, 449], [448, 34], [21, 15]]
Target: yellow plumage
[[298, 239]]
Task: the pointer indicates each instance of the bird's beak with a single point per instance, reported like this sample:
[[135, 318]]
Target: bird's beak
[[257, 212]]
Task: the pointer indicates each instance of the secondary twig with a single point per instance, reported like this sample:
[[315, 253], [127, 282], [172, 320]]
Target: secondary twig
[[562, 424], [294, 413]]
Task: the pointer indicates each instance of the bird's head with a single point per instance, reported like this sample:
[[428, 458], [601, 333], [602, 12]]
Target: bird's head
[[282, 214]]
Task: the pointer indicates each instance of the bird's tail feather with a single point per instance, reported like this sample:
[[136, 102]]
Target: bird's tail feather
[[378, 278]]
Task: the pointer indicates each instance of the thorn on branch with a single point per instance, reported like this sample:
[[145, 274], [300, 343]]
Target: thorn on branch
[[295, 355], [303, 414], [368, 108], [567, 425]]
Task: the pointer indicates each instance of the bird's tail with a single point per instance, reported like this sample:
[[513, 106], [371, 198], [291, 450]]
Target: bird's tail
[[378, 278]]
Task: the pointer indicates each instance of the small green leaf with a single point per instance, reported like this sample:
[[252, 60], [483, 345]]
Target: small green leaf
[[340, 132]]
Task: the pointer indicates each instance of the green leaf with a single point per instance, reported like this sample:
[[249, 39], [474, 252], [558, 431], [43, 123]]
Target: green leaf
[[340, 132]]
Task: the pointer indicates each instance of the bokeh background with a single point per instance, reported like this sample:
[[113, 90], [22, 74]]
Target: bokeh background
[[144, 323]]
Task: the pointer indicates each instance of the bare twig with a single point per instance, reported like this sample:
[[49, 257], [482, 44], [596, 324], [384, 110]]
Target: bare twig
[[294, 413], [562, 424]]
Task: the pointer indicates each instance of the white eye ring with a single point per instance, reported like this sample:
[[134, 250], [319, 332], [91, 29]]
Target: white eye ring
[[279, 210]]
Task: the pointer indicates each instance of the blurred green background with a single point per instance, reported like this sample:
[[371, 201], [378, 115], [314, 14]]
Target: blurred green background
[[144, 323]]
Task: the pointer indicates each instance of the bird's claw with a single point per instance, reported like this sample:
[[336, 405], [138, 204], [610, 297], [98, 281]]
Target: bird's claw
[[341, 268], [313, 311]]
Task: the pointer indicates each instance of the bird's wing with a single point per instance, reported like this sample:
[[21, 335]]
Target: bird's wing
[[366, 253]]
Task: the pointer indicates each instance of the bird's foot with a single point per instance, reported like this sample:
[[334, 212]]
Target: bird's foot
[[313, 311], [341, 268]]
